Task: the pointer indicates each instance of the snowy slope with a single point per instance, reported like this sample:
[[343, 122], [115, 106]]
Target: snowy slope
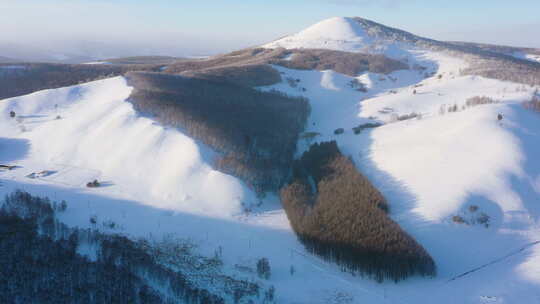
[[346, 34], [99, 136], [434, 168]]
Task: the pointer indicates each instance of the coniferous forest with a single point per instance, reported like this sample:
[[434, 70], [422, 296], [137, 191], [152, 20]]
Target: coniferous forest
[[339, 215], [42, 262]]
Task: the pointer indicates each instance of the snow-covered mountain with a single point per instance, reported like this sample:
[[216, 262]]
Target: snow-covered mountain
[[344, 34], [356, 35], [455, 156]]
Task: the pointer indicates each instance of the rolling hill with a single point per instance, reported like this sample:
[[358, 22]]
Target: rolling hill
[[437, 130]]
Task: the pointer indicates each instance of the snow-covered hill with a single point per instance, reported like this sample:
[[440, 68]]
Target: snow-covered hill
[[90, 132], [357, 35], [527, 56], [463, 183], [435, 167], [343, 34]]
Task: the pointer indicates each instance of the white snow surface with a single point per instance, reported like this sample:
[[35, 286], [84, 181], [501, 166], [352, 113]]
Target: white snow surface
[[99, 136], [330, 33], [434, 168], [431, 169], [342, 34]]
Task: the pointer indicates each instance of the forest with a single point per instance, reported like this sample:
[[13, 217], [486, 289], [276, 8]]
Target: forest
[[251, 75], [255, 132], [340, 216], [42, 263]]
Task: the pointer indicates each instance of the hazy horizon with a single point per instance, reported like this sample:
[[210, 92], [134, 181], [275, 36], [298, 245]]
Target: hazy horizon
[[102, 28]]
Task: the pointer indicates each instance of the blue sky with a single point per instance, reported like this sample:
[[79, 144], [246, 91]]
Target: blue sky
[[221, 25]]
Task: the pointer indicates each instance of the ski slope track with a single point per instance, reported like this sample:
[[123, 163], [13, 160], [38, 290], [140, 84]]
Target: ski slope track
[[432, 169]]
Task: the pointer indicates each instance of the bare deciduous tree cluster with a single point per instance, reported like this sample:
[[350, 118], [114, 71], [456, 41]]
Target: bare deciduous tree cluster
[[339, 215]]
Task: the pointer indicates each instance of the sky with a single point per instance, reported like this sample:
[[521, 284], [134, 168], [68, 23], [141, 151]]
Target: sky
[[202, 27]]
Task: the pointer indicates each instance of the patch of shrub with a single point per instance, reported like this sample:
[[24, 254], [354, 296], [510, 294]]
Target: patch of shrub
[[339, 215], [453, 109], [309, 135], [480, 100], [533, 104], [357, 85], [505, 68], [483, 219], [458, 219], [395, 117], [41, 264], [93, 184], [292, 82], [263, 268], [369, 125], [339, 131]]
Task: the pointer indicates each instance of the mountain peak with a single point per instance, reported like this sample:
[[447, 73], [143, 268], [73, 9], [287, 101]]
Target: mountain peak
[[354, 34], [330, 33]]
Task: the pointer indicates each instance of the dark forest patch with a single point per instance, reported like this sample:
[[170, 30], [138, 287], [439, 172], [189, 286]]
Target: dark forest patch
[[339, 215], [41, 263], [347, 63], [255, 132]]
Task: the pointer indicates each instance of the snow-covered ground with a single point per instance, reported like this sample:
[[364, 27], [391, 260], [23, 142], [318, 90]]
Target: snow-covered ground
[[434, 168], [158, 181], [90, 132], [342, 34]]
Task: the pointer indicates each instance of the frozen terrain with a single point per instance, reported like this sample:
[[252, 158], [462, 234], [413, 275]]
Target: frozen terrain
[[158, 181], [90, 132], [344, 34]]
